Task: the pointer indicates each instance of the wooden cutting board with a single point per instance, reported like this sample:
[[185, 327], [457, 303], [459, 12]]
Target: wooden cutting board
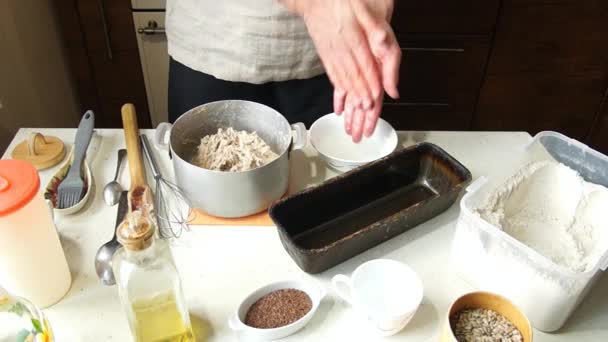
[[260, 219]]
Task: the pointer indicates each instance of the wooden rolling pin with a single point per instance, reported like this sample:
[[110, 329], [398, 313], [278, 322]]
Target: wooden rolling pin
[[139, 193]]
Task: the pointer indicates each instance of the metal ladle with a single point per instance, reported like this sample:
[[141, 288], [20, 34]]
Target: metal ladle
[[112, 190], [105, 253]]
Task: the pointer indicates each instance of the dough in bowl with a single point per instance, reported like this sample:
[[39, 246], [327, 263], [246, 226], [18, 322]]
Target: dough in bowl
[[231, 150]]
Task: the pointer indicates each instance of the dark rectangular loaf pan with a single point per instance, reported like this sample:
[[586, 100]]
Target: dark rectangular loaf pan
[[323, 226]]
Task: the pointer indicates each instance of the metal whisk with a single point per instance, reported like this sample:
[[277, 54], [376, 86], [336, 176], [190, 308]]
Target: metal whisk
[[171, 207]]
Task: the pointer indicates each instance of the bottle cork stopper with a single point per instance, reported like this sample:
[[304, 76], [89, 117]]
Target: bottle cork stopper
[[136, 231]]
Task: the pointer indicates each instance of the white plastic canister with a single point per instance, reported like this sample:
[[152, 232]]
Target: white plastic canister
[[32, 261]]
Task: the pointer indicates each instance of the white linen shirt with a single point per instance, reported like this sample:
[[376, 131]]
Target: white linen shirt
[[253, 41]]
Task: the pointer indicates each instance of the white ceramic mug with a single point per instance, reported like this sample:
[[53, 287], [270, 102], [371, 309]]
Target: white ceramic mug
[[386, 291]]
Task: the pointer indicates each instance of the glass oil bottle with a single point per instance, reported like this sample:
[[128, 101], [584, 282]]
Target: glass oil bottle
[[149, 285]]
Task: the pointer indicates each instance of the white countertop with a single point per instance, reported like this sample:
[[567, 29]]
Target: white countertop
[[220, 265]]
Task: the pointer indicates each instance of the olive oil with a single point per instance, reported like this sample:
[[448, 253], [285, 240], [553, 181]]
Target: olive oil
[[148, 283], [159, 320]]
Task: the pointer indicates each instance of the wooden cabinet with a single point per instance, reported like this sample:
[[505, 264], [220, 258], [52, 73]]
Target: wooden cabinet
[[445, 16], [548, 69], [598, 138], [445, 48], [440, 78], [102, 50]]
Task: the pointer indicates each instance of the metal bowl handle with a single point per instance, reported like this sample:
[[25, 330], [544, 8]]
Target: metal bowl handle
[[300, 136], [162, 136]]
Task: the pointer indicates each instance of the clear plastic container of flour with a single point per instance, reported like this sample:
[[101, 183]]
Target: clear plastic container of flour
[[492, 260]]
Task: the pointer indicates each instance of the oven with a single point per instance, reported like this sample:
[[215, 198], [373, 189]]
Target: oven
[[149, 20]]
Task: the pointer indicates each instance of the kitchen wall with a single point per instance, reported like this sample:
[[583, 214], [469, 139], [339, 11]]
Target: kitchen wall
[[35, 86]]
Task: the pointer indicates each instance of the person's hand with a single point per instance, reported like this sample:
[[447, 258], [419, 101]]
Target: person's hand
[[360, 53], [359, 121], [343, 48], [374, 17]]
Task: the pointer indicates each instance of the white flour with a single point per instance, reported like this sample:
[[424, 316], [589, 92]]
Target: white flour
[[550, 208]]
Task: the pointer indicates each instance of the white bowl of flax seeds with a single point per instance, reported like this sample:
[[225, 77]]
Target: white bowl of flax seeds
[[277, 310]]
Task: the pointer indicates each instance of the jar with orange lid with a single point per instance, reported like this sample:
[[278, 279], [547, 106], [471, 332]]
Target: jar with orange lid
[[32, 261]]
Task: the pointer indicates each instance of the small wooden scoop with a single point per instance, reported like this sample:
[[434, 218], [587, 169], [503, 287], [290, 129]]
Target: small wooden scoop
[[140, 195]]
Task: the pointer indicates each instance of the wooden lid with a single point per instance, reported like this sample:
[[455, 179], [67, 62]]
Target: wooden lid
[[41, 151]]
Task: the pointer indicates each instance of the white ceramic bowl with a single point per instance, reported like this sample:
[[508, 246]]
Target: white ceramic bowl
[[236, 322], [328, 137]]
